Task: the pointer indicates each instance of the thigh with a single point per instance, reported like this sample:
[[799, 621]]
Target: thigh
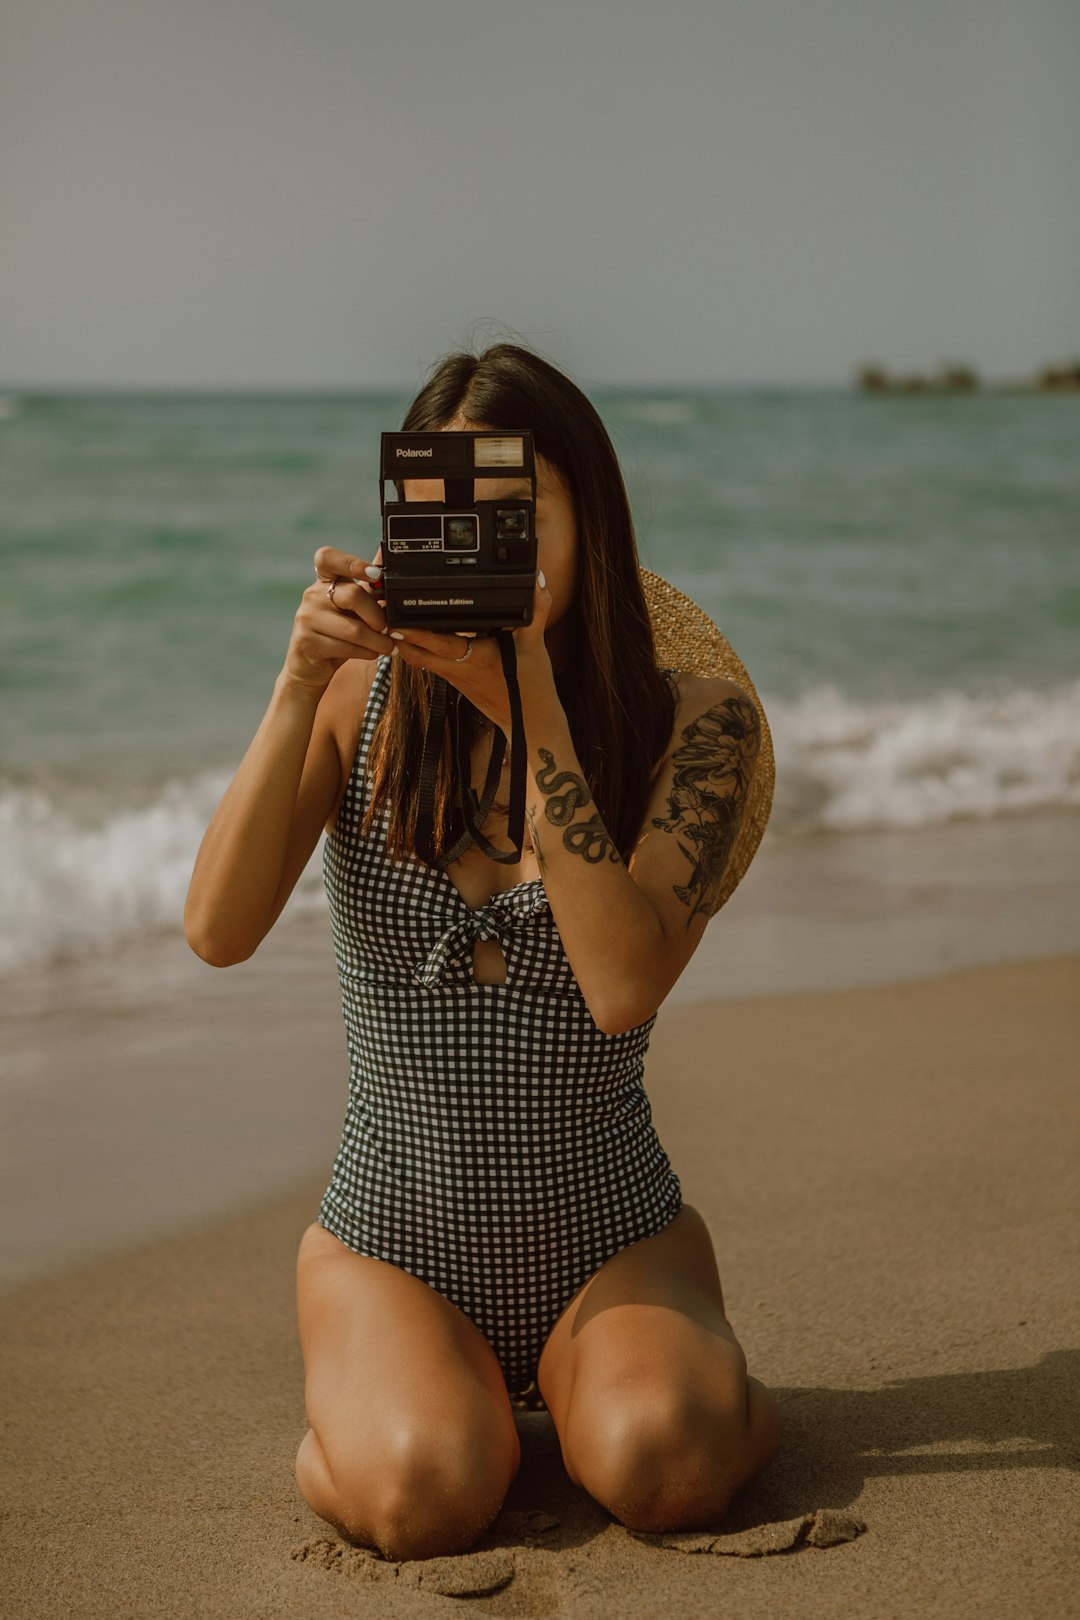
[[663, 1287], [397, 1380], [643, 1365]]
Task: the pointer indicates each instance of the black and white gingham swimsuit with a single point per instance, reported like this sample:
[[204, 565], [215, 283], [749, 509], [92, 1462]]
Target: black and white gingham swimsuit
[[497, 1144]]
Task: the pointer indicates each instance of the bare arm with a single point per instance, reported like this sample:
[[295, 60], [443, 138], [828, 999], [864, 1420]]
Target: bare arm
[[629, 931], [265, 828], [628, 928], [288, 783]]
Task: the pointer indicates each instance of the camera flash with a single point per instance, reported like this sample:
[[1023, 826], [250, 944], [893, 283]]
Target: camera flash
[[507, 452]]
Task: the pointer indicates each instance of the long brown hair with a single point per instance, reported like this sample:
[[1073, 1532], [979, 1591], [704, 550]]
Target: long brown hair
[[619, 707]]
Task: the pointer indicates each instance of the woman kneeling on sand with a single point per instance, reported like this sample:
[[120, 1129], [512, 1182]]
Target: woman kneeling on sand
[[501, 1212]]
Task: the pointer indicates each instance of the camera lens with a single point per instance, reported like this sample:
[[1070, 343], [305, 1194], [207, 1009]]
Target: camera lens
[[460, 534]]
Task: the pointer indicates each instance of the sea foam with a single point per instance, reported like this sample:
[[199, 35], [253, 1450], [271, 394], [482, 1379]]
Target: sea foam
[[844, 766], [68, 887]]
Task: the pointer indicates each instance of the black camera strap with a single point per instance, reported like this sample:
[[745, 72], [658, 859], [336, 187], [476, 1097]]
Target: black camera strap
[[474, 810]]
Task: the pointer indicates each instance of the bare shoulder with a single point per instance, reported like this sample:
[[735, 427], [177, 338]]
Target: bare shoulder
[[699, 695], [706, 689], [694, 812]]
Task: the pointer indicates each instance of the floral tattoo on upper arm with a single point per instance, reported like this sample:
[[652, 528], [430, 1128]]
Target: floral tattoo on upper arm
[[713, 765]]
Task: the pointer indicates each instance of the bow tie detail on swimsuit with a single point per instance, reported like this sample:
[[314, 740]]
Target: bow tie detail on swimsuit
[[505, 914]]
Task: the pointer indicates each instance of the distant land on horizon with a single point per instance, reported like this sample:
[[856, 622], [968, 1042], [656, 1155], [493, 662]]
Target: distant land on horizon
[[954, 377]]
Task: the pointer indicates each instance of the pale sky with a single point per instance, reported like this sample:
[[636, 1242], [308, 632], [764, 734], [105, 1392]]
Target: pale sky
[[330, 193]]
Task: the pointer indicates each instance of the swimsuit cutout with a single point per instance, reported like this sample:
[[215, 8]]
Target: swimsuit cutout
[[497, 1144]]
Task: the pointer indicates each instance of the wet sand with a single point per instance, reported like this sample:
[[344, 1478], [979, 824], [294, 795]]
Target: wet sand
[[141, 1089]]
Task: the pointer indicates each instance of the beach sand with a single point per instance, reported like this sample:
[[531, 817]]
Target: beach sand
[[889, 1174]]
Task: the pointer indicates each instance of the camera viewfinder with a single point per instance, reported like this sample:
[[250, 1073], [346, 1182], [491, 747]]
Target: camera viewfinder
[[511, 524]]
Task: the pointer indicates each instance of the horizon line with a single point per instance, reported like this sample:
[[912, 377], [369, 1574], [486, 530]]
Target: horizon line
[[986, 383], [315, 390]]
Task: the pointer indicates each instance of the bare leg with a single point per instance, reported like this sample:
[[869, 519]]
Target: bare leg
[[412, 1445], [648, 1389]]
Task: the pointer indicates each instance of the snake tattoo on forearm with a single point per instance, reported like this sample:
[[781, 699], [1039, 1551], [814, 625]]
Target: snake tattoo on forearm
[[713, 767], [589, 839]]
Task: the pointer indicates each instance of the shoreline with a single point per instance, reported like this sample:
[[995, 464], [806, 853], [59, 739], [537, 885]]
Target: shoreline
[[135, 1124], [144, 1091], [882, 905]]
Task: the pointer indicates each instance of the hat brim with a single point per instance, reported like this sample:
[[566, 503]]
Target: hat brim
[[687, 639]]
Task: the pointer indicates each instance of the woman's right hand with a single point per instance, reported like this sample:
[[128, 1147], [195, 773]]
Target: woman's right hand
[[326, 633]]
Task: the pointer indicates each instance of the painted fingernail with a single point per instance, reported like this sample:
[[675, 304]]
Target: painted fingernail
[[397, 635], [540, 580], [373, 571]]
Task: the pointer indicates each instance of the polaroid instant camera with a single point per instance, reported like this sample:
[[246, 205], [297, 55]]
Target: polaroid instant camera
[[460, 563]]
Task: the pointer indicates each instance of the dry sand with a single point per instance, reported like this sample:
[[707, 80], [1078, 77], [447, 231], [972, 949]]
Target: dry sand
[[890, 1177]]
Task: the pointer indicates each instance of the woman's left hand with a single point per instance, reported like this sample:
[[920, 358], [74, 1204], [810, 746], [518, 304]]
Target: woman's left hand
[[480, 678]]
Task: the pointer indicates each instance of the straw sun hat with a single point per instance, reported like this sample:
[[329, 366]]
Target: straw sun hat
[[687, 639]]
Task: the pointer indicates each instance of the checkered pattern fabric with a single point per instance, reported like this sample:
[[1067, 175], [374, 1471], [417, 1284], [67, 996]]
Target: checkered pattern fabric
[[496, 1144]]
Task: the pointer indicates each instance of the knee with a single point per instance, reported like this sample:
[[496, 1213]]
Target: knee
[[661, 1464], [436, 1499], [416, 1500]]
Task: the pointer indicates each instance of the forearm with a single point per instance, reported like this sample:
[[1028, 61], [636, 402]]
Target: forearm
[[239, 866], [610, 931]]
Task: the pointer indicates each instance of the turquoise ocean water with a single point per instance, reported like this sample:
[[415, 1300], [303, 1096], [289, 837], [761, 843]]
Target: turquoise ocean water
[[901, 577]]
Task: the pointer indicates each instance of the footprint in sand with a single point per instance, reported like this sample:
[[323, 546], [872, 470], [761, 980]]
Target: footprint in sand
[[461, 1575], [825, 1528], [478, 1574], [473, 1574], [467, 1575]]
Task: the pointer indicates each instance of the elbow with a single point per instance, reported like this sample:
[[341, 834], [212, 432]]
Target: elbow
[[628, 1003], [215, 952], [215, 955], [618, 1017]]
